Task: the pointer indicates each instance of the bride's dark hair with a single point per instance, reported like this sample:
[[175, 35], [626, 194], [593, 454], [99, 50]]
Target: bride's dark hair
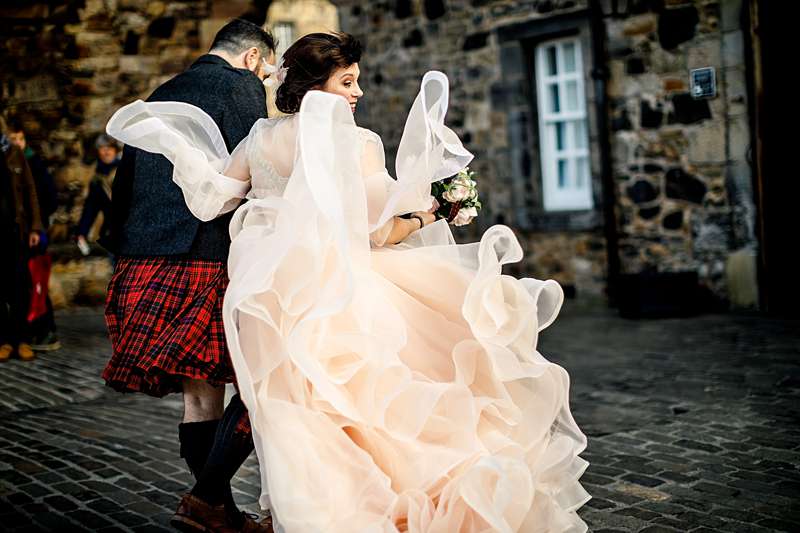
[[311, 60]]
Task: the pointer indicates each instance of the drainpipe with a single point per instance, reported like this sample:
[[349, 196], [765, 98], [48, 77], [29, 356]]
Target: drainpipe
[[600, 77]]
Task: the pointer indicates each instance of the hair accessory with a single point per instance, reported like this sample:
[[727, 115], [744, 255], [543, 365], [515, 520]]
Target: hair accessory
[[277, 75]]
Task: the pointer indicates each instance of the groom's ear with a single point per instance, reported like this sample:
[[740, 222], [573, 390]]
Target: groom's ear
[[251, 58]]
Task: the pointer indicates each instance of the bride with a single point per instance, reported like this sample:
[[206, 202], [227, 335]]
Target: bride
[[391, 375]]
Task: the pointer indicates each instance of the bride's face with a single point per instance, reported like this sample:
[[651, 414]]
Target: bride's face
[[344, 82]]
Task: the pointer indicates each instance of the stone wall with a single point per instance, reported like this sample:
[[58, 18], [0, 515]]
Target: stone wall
[[488, 109], [683, 187], [682, 182], [64, 69], [680, 164]]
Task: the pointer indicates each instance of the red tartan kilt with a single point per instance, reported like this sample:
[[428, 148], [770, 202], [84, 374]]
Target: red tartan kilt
[[164, 318]]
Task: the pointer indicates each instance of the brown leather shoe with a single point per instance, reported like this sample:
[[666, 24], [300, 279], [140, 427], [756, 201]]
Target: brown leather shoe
[[5, 352], [196, 516], [25, 352]]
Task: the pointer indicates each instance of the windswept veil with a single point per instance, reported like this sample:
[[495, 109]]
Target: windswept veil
[[390, 388]]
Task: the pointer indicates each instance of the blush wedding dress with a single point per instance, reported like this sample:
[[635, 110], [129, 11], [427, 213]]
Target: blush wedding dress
[[391, 388]]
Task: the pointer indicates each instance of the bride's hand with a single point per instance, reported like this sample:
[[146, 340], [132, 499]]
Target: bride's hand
[[427, 216]]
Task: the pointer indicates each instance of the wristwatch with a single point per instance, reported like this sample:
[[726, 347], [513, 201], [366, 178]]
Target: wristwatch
[[421, 221]]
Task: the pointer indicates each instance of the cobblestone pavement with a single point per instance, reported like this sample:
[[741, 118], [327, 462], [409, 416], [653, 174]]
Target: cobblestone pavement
[[692, 425]]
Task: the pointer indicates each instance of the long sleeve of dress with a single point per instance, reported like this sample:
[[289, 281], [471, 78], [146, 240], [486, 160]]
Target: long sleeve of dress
[[421, 160], [377, 185], [192, 142]]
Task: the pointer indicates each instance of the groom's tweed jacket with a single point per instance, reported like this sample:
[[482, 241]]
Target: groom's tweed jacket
[[149, 214]]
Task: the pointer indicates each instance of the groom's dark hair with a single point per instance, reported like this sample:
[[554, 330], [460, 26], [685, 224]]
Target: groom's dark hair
[[239, 35]]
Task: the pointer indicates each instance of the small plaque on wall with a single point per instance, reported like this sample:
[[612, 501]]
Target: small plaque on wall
[[703, 82]]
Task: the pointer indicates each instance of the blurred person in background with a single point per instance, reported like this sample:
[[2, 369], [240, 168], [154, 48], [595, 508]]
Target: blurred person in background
[[99, 198], [20, 231], [43, 328]]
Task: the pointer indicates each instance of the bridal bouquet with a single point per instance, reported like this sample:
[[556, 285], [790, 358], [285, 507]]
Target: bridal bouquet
[[457, 198]]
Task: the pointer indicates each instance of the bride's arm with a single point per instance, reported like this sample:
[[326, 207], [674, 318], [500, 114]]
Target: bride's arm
[[377, 182], [238, 166], [403, 227], [212, 188]]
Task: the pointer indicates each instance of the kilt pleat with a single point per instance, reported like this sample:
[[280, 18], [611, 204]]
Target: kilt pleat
[[164, 318]]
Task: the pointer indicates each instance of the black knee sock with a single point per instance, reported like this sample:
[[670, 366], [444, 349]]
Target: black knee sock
[[197, 440], [230, 450]]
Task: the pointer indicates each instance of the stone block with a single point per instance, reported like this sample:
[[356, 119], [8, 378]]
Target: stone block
[[98, 43], [704, 53], [155, 9], [132, 20], [91, 65], [734, 90], [733, 49], [707, 143], [647, 83], [731, 13], [651, 116], [667, 62], [738, 138], [674, 85], [681, 185], [139, 64], [616, 80], [687, 110], [640, 24], [478, 116], [676, 26], [673, 221], [711, 233], [643, 192]]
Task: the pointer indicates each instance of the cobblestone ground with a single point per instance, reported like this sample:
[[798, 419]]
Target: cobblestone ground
[[692, 425]]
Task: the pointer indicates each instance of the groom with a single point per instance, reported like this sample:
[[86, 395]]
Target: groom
[[164, 306]]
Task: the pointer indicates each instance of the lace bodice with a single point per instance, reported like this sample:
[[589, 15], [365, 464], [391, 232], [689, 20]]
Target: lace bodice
[[266, 180], [270, 154]]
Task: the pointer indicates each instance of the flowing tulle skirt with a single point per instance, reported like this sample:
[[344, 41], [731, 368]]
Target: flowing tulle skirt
[[419, 402], [393, 389]]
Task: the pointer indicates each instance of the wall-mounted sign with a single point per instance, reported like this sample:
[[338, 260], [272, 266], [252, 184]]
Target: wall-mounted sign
[[703, 82]]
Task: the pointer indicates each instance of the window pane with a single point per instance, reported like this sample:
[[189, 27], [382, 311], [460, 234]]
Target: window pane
[[555, 103], [560, 135], [562, 173], [580, 138], [572, 95], [582, 174], [552, 65], [563, 126], [569, 57]]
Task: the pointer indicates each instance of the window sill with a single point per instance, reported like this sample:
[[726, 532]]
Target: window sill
[[540, 220]]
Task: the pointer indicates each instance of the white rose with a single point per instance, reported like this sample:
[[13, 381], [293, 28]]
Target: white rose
[[457, 192], [465, 216]]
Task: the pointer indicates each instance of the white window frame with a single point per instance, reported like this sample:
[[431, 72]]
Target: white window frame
[[575, 193]]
